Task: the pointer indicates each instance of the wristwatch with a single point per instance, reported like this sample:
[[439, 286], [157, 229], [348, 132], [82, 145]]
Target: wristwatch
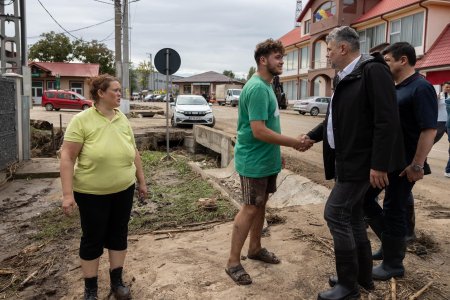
[[416, 167]]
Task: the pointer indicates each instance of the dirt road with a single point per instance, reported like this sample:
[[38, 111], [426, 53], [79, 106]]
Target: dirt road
[[190, 265]]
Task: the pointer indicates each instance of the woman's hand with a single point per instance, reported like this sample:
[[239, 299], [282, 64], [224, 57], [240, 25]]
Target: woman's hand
[[142, 191], [68, 204]]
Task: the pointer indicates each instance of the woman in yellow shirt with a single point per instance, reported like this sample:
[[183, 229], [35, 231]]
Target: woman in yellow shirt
[[99, 166]]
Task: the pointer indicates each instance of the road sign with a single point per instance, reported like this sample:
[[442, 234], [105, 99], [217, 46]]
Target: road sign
[[167, 59]]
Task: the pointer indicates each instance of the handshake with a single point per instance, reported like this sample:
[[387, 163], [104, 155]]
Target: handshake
[[303, 143]]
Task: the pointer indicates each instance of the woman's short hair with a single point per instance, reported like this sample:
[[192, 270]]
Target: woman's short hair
[[101, 82]]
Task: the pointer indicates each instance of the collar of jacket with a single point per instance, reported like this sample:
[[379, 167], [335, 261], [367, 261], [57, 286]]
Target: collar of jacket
[[365, 59]]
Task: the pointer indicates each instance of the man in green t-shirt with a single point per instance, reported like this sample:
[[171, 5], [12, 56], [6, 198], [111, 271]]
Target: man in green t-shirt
[[257, 157]]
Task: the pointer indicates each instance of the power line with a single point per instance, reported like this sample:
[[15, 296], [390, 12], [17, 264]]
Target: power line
[[65, 30], [78, 29], [106, 38]]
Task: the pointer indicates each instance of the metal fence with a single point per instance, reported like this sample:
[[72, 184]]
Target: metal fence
[[8, 133]]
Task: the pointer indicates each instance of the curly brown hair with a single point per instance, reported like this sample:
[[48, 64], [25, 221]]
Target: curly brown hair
[[268, 47], [101, 82]]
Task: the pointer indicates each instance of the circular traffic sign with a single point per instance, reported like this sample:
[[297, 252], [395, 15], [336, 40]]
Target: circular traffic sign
[[167, 59]]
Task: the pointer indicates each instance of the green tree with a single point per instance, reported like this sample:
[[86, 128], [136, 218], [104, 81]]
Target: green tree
[[144, 70], [229, 73], [251, 71], [95, 52], [52, 47]]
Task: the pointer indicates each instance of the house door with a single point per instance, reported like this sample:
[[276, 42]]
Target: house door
[[37, 87]]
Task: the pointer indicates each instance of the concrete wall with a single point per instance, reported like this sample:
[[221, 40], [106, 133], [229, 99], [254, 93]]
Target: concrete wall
[[217, 141]]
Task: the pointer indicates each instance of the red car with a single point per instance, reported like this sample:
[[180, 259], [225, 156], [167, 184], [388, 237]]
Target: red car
[[57, 99]]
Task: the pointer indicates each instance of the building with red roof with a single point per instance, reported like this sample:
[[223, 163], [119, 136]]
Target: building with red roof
[[60, 75], [422, 23]]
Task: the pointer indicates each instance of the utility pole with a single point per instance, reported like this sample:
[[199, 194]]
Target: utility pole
[[151, 80], [118, 38], [126, 54]]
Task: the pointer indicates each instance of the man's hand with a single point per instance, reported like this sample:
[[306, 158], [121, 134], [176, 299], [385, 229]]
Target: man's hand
[[411, 174], [305, 143], [68, 205], [143, 192], [378, 179]]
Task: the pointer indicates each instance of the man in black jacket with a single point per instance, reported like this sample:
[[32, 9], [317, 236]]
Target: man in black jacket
[[361, 143], [417, 104]]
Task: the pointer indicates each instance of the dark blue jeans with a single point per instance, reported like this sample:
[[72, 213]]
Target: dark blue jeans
[[397, 197], [344, 214]]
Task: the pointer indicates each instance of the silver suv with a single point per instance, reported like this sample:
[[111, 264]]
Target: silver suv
[[314, 105], [192, 109]]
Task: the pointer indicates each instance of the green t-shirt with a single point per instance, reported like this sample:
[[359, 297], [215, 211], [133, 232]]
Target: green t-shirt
[[254, 158], [105, 164]]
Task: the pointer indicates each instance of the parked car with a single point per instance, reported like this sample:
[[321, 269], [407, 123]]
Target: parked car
[[57, 99], [314, 105], [192, 109], [149, 97], [158, 97], [232, 97], [135, 96]]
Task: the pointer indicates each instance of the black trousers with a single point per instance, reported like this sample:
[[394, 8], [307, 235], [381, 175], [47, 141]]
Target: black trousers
[[344, 214], [104, 222], [397, 197]]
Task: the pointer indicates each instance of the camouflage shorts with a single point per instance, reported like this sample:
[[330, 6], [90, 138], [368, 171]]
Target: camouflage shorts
[[255, 190]]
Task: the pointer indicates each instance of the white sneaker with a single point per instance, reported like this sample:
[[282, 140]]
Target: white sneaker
[[447, 175]]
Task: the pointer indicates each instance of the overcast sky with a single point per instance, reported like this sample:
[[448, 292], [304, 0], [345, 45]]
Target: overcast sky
[[209, 35]]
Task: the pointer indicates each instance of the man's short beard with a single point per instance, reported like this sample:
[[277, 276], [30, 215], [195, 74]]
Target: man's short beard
[[274, 71]]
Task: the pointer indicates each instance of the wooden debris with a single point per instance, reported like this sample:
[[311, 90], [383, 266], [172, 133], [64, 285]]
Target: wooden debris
[[6, 272], [29, 278], [393, 289], [421, 291], [181, 230]]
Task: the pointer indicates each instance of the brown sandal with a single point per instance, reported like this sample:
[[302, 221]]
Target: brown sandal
[[265, 256], [239, 275]]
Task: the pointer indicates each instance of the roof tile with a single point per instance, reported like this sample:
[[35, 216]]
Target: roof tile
[[69, 69], [293, 37], [437, 55], [383, 7]]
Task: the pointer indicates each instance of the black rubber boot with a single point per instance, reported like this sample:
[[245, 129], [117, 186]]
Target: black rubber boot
[[90, 288], [118, 288], [347, 272], [377, 225], [392, 265], [410, 223], [364, 268]]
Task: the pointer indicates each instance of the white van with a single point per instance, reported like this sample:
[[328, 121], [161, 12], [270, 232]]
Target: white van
[[232, 97]]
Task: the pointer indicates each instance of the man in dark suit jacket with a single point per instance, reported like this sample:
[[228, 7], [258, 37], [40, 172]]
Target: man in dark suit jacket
[[361, 144]]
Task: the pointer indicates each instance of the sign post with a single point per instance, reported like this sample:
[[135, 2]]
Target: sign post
[[167, 61]]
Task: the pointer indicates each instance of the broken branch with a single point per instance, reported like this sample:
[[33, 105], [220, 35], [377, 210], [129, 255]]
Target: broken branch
[[421, 291]]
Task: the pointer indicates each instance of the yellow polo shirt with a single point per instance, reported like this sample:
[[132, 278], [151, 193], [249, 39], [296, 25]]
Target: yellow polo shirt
[[105, 164]]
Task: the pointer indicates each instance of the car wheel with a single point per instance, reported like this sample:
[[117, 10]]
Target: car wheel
[[84, 107], [172, 122], [233, 104], [48, 107], [314, 111], [57, 109]]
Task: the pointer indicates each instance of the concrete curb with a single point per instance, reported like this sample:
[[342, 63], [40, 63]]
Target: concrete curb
[[206, 177]]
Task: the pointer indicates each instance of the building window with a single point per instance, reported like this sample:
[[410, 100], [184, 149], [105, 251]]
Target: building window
[[371, 37], [77, 87], [290, 88], [187, 89], [303, 88], [325, 11], [304, 60], [408, 29], [349, 6], [291, 61], [51, 85], [319, 60], [307, 25]]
